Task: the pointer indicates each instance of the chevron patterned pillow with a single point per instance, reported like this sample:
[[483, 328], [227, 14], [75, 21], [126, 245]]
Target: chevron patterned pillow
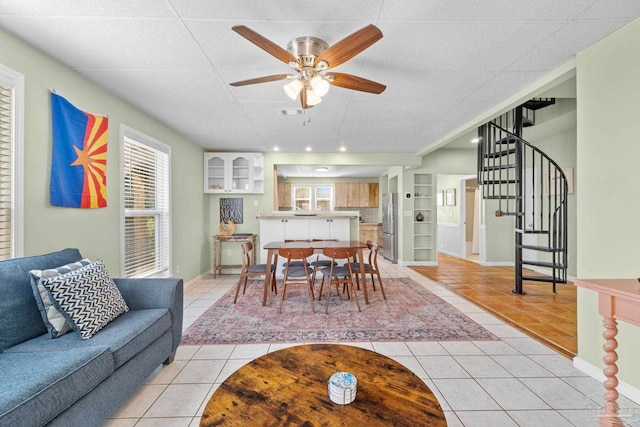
[[53, 318], [87, 297]]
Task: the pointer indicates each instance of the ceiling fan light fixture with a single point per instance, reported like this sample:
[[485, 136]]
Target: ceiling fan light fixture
[[293, 88], [312, 97], [320, 85]]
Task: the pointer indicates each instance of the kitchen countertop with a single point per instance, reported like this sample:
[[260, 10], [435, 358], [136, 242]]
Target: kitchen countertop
[[319, 216], [371, 223]]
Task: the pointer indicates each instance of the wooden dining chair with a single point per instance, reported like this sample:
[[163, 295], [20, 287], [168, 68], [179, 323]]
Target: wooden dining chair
[[297, 263], [339, 274], [370, 267], [252, 270], [318, 264], [296, 275]]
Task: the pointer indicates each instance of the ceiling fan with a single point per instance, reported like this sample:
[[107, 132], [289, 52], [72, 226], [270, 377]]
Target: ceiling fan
[[311, 57]]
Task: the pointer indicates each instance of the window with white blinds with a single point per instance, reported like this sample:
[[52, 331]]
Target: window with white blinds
[[147, 224], [6, 172], [11, 119]]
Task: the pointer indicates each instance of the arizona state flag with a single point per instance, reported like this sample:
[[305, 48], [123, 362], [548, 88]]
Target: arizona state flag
[[79, 159]]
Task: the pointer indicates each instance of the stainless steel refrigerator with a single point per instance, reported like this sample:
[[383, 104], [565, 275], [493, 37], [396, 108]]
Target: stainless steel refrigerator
[[390, 226]]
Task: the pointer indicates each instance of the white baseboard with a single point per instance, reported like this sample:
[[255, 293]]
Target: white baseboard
[[449, 253], [418, 263], [195, 280], [497, 263], [596, 373]]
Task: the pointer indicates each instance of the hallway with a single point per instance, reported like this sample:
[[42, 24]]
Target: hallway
[[549, 318]]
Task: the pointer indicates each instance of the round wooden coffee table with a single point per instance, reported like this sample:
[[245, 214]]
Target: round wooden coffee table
[[289, 387]]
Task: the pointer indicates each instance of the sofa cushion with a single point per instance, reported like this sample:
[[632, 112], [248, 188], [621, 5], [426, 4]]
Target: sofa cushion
[[87, 296], [35, 387], [126, 336], [20, 318], [52, 317]]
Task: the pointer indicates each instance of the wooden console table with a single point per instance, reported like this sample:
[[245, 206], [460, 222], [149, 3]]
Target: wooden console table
[[617, 299], [217, 250], [290, 387]]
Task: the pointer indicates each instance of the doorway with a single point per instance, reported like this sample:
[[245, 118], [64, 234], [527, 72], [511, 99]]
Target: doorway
[[470, 218]]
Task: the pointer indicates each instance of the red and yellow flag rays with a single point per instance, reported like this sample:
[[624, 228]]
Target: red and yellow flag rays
[[93, 158]]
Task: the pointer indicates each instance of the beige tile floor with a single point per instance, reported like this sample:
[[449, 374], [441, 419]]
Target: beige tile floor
[[515, 381]]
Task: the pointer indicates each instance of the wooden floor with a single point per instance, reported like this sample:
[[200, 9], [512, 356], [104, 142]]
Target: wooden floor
[[550, 318]]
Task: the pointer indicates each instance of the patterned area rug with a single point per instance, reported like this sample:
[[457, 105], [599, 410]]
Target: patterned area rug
[[410, 313]]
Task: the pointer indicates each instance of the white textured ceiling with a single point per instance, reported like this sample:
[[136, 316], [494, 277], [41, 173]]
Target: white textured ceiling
[[443, 61]]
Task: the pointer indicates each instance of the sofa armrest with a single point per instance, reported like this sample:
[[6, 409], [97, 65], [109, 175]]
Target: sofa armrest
[[147, 293]]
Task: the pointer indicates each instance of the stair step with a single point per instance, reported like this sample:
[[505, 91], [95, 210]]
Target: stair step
[[538, 103], [502, 213], [501, 197], [498, 154], [499, 167], [511, 139], [547, 279], [497, 182], [546, 264], [540, 248], [527, 122], [521, 231]]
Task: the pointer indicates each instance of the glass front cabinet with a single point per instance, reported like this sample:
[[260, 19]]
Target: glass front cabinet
[[239, 173]]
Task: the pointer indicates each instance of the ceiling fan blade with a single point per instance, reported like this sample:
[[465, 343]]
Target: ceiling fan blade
[[264, 44], [350, 46], [264, 79], [349, 81]]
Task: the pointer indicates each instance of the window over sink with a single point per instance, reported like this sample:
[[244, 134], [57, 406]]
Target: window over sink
[[312, 197]]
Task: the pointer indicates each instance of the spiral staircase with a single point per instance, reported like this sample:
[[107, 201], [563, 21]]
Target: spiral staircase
[[531, 187]]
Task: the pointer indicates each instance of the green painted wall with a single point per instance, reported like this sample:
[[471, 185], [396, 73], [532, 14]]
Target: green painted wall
[[607, 172], [96, 232], [448, 214]]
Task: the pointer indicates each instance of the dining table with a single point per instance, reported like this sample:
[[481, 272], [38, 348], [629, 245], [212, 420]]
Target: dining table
[[319, 246]]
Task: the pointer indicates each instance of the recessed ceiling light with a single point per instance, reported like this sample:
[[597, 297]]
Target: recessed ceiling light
[[276, 148], [308, 148], [322, 169], [343, 148]]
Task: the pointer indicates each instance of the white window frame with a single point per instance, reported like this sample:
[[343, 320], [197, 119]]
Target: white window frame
[[312, 192], [15, 81], [127, 133]]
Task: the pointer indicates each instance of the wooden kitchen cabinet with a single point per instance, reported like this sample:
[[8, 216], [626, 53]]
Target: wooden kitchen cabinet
[[356, 195], [368, 195], [284, 195], [370, 231]]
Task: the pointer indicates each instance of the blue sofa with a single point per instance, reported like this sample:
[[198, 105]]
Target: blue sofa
[[68, 381]]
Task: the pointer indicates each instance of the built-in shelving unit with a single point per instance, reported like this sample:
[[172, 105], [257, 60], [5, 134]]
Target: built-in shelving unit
[[423, 231], [240, 173]]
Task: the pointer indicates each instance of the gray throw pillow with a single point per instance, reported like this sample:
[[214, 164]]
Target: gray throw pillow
[[53, 318], [87, 297]]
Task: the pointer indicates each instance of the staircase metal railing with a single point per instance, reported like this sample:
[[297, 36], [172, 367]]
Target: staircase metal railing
[[531, 187]]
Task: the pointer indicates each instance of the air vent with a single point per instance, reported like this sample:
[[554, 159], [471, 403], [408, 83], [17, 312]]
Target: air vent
[[291, 112]]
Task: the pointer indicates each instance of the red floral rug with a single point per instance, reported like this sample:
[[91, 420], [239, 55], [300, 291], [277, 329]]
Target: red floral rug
[[410, 313]]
